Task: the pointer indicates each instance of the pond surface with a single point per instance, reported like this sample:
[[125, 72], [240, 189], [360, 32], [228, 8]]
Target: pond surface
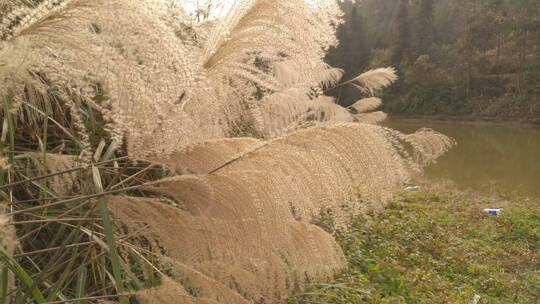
[[487, 158]]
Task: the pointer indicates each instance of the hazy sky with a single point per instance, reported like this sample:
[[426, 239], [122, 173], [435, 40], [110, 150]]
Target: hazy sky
[[218, 7]]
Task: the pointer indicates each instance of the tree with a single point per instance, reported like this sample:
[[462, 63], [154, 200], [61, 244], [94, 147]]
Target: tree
[[400, 34], [424, 32], [353, 53], [359, 52]]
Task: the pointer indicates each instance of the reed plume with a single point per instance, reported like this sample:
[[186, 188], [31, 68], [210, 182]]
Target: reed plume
[[230, 219], [374, 80], [367, 104], [264, 191]]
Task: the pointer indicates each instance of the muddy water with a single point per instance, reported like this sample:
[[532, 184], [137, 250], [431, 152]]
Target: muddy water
[[488, 158]]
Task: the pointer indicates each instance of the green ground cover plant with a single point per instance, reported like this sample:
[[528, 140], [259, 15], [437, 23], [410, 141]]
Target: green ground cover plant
[[438, 247]]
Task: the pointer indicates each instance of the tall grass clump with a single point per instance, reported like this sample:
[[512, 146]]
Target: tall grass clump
[[67, 247], [121, 163]]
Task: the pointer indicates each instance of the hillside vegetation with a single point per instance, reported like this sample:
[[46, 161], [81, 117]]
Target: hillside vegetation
[[463, 58]]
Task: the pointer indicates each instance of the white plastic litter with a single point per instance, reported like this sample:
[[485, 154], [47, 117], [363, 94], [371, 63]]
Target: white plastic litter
[[492, 211], [412, 189]]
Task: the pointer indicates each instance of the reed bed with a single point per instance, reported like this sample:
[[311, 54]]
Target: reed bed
[[122, 174]]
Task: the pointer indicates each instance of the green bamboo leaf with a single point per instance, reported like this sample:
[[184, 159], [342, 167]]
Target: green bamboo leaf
[[56, 292], [81, 285], [22, 275], [109, 234], [4, 286]]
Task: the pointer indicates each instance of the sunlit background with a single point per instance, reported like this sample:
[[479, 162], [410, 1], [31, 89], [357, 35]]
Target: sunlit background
[[201, 10], [207, 9]]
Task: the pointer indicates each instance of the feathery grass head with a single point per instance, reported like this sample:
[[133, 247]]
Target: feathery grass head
[[367, 105], [300, 34], [428, 145], [374, 80], [294, 109], [235, 222], [269, 192]]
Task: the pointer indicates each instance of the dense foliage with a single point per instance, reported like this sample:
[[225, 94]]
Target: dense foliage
[[438, 247], [460, 57]]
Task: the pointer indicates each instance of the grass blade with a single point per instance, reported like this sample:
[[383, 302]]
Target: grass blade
[[4, 286], [81, 285], [109, 233], [22, 275]]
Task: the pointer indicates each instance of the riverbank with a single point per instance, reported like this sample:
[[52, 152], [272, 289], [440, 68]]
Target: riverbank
[[436, 246]]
